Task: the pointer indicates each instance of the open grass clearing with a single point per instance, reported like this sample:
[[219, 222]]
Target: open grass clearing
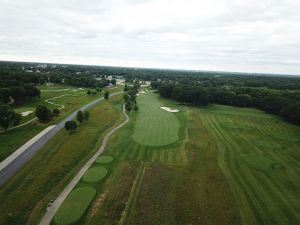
[[74, 206], [105, 159], [95, 174]]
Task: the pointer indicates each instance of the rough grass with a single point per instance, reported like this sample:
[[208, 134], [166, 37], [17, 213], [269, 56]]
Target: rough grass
[[154, 126], [44, 177], [94, 174], [176, 186], [105, 159], [238, 166], [261, 162], [74, 206]]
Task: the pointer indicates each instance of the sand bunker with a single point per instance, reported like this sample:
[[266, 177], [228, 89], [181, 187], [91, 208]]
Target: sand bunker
[[26, 113], [169, 109]]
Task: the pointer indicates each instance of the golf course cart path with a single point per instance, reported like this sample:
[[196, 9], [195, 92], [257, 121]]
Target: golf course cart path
[[60, 106], [57, 203], [11, 168]]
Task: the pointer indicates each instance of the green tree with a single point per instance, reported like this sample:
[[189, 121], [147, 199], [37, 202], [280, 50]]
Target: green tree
[[136, 108], [128, 106], [43, 113], [80, 116], [89, 92], [71, 126], [55, 112], [8, 117], [86, 115], [106, 95], [126, 97]]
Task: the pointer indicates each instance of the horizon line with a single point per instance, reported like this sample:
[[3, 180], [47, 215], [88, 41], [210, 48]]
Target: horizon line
[[157, 68]]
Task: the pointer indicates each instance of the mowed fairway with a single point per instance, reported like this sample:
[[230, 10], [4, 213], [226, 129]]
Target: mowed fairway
[[154, 126], [259, 155]]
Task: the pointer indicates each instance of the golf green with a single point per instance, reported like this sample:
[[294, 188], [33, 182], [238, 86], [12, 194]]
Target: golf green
[[94, 174], [154, 126], [105, 159], [74, 206]]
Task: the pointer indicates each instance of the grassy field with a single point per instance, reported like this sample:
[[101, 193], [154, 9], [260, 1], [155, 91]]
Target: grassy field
[[218, 165], [25, 196], [228, 166], [154, 127], [166, 184], [72, 98], [259, 154]]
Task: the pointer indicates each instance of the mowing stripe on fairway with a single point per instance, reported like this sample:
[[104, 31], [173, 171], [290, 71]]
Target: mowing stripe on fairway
[[154, 126]]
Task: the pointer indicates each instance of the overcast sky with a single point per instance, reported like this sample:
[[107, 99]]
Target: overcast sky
[[223, 35]]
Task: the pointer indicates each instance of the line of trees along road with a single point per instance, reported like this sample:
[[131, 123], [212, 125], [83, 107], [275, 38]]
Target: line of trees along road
[[284, 104]]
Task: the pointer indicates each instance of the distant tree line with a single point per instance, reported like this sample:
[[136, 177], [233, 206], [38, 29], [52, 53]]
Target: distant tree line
[[281, 103]]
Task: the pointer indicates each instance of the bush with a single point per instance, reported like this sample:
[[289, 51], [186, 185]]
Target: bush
[[43, 113], [80, 116], [55, 112], [71, 126]]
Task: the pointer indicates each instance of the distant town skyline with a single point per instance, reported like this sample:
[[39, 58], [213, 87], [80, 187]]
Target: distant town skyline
[[218, 35]]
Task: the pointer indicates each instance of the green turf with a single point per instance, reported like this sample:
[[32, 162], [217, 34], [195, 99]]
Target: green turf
[[259, 155], [74, 206], [238, 166], [154, 126], [94, 174], [105, 159]]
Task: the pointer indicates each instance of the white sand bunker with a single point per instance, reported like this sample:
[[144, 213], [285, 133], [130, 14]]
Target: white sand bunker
[[26, 113], [169, 109]]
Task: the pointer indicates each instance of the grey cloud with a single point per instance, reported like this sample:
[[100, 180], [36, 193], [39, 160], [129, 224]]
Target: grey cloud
[[233, 35]]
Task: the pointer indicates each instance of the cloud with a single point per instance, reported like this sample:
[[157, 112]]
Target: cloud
[[231, 35]]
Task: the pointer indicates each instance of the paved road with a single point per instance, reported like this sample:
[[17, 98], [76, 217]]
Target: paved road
[[17, 163], [57, 203]]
